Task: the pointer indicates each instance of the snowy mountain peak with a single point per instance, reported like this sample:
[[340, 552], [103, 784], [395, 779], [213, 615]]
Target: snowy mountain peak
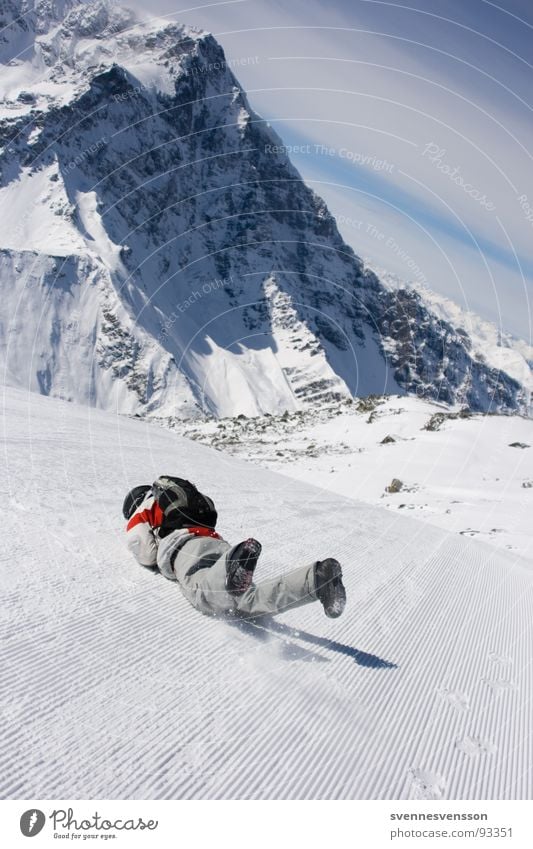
[[488, 343], [21, 21], [160, 253]]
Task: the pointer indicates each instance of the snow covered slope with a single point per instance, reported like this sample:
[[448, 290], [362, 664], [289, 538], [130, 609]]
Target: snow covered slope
[[155, 234], [115, 688]]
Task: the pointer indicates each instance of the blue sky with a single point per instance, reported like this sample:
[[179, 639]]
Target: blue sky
[[439, 93]]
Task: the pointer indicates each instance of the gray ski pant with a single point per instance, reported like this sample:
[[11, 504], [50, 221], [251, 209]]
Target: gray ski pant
[[200, 570]]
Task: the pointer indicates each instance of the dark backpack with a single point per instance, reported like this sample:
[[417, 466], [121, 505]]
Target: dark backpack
[[182, 504]]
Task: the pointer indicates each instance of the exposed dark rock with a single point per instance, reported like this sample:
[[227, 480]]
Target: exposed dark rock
[[395, 486]]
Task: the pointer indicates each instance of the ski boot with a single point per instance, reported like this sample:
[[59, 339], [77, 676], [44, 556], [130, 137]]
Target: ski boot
[[240, 566], [329, 588]]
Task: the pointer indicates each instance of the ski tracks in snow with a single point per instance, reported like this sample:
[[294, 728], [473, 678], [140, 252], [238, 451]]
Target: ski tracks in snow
[[115, 688]]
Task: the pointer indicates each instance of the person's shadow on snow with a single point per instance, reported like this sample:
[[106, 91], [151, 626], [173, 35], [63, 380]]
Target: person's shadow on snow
[[263, 628]]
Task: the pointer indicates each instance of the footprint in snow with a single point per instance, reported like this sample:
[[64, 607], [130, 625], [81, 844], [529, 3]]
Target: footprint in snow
[[500, 685], [473, 746], [500, 658], [426, 785], [455, 698], [18, 505]]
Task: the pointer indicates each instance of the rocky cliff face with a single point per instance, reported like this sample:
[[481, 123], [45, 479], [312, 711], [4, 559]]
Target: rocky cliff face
[[160, 253]]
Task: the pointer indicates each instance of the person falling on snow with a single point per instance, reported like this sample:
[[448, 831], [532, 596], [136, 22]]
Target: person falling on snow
[[171, 529]]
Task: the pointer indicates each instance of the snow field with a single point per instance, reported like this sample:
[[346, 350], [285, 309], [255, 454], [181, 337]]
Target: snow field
[[471, 476], [116, 688]]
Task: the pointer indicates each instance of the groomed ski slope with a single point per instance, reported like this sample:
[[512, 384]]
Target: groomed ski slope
[[115, 688]]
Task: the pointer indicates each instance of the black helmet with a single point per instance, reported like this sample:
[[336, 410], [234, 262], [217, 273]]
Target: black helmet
[[134, 497]]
